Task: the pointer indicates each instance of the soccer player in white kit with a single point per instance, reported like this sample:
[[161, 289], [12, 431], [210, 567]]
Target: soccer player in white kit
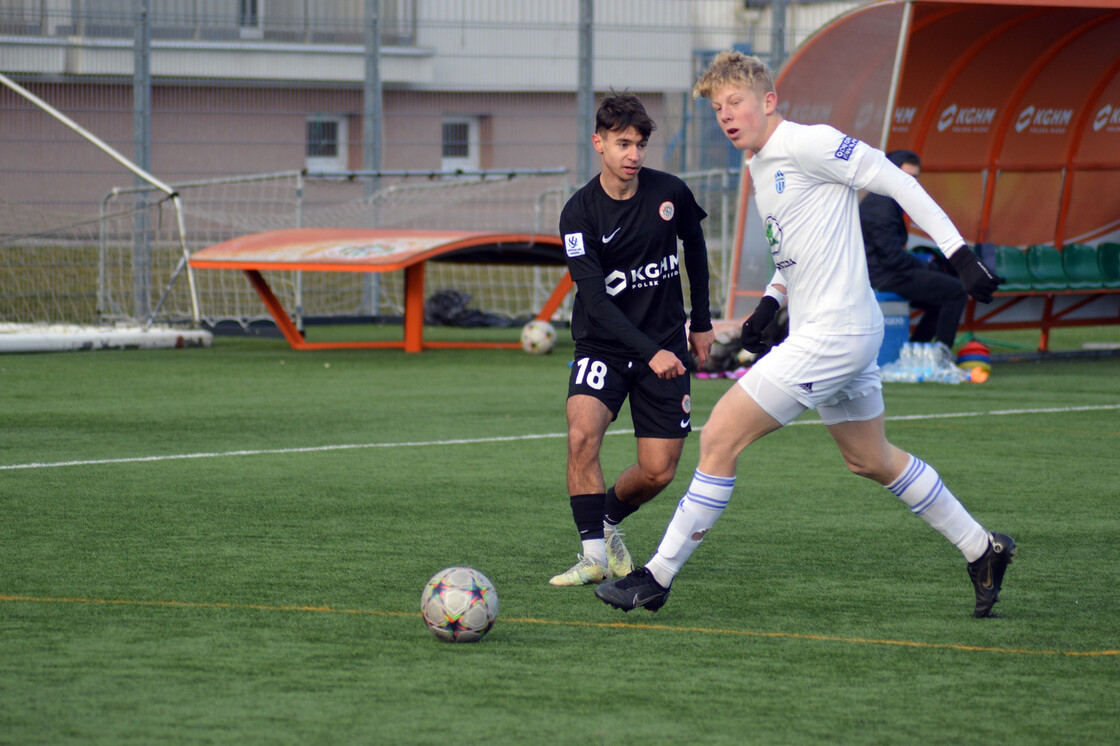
[[806, 181]]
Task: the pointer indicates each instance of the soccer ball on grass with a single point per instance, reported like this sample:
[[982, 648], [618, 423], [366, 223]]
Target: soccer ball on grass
[[538, 337], [459, 604]]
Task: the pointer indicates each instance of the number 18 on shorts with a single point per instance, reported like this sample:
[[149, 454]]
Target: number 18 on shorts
[[660, 408]]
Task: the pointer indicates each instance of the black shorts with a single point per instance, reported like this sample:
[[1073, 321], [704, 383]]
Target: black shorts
[[659, 407]]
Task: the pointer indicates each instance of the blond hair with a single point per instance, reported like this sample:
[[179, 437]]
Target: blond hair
[[734, 68]]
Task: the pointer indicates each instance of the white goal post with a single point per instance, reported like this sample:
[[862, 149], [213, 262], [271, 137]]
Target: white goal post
[[168, 191]]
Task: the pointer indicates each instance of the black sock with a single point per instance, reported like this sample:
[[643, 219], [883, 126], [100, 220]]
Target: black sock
[[588, 513], [614, 510]]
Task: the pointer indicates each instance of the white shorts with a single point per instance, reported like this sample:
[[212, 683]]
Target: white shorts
[[835, 374]]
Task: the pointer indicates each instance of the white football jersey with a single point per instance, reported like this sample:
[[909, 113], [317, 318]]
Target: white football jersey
[[805, 180]]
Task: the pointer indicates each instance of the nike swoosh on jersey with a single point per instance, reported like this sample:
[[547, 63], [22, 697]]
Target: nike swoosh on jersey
[[608, 239], [685, 422]]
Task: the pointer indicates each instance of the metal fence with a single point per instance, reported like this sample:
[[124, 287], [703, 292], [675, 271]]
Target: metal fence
[[199, 90], [218, 210]]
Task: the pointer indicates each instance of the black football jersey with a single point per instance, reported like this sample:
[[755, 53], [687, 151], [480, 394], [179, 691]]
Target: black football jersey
[[622, 255]]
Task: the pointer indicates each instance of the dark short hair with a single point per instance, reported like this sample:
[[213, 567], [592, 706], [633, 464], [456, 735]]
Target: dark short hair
[[621, 111], [900, 157]]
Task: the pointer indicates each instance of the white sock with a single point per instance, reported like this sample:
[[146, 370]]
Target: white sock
[[697, 512], [920, 487], [596, 549]]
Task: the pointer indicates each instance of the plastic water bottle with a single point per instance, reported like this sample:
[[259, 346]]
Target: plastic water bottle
[[923, 361], [928, 362], [907, 370]]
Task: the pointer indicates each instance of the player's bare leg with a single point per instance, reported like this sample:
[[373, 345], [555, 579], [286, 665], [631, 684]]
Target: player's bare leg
[[736, 422], [655, 469], [866, 450], [867, 453], [636, 485], [588, 419]]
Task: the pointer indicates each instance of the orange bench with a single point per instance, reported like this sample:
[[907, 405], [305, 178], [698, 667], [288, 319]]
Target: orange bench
[[380, 250]]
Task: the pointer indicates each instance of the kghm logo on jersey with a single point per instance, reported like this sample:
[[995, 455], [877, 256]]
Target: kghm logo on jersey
[[780, 182], [645, 276], [773, 234], [615, 282], [666, 211]]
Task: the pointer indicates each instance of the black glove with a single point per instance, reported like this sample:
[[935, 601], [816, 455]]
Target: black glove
[[754, 326], [978, 280]]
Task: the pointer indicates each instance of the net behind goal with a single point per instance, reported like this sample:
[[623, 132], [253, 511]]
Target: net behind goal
[[222, 209], [124, 264]]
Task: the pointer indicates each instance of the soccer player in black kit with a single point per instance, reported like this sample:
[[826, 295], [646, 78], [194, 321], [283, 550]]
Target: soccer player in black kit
[[620, 234]]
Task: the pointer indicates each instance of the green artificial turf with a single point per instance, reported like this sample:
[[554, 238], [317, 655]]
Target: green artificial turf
[[228, 545]]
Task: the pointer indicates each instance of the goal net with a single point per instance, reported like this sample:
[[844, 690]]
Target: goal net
[[124, 264], [522, 201]]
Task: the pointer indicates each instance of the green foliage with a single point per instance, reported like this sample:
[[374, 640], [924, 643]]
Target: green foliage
[[236, 550]]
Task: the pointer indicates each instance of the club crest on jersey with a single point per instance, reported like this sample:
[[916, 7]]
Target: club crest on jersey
[[573, 244], [666, 211], [780, 182], [686, 404], [773, 234]]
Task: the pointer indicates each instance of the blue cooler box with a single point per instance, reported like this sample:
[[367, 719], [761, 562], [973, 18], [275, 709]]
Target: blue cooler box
[[896, 326]]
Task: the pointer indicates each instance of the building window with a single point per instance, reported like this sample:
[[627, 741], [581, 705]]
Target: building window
[[326, 143], [250, 18], [456, 140], [460, 144]]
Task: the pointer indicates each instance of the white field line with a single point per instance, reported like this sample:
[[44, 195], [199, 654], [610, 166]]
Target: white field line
[[496, 439]]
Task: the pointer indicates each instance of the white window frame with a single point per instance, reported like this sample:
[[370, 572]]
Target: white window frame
[[337, 162], [251, 31], [469, 162]]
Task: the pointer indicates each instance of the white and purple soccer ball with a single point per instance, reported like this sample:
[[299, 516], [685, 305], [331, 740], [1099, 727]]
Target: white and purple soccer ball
[[459, 604], [538, 337]]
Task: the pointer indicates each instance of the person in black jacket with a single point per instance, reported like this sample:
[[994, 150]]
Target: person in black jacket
[[893, 269]]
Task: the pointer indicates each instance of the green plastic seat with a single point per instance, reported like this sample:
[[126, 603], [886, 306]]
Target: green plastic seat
[[1081, 267], [1045, 265], [1108, 260], [1011, 265]]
